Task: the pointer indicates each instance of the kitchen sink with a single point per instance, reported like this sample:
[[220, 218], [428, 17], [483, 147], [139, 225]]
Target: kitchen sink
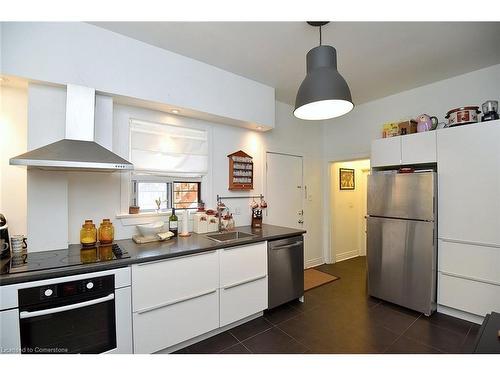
[[229, 236]]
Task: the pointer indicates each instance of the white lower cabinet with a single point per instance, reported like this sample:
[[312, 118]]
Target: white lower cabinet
[[467, 295], [242, 300], [172, 324], [243, 281], [178, 299]]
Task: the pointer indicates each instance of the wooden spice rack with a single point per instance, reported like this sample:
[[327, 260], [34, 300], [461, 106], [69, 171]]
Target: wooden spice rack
[[240, 171]]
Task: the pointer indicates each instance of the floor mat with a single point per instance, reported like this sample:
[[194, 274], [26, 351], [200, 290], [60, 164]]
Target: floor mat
[[314, 278]]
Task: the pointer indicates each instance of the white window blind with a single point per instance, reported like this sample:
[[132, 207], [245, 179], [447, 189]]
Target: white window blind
[[167, 149]]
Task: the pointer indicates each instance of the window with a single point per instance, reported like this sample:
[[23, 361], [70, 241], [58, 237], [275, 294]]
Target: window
[[186, 194], [178, 194], [169, 163]]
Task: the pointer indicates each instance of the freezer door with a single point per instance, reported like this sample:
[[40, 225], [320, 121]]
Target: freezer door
[[408, 196], [401, 257]]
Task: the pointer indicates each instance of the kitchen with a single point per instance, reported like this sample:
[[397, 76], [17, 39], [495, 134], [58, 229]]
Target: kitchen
[[215, 286]]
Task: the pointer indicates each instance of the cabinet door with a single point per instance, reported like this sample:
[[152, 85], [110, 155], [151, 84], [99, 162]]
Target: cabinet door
[[242, 300], [242, 263], [481, 263], [418, 148], [386, 152], [468, 295], [169, 325], [469, 183], [243, 281], [157, 283]]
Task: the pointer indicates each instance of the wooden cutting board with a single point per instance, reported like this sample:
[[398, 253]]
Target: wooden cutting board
[[146, 239]]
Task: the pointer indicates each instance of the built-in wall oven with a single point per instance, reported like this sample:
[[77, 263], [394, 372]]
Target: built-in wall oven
[[86, 313]]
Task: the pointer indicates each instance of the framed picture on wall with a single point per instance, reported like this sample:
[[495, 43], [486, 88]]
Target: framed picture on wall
[[346, 179]]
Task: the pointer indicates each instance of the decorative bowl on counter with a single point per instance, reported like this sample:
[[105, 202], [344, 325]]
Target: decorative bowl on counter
[[152, 229]]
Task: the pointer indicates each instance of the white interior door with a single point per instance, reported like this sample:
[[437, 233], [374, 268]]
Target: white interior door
[[284, 190]]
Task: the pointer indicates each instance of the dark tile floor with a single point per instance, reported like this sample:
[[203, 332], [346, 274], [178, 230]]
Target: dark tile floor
[[340, 318]]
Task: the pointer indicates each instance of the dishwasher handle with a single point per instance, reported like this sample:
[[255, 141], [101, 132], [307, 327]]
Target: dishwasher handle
[[297, 243]]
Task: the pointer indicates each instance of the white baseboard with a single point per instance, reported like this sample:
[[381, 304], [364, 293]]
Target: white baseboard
[[347, 255], [460, 314], [314, 262]]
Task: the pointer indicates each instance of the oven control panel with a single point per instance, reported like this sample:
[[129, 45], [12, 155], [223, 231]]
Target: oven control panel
[[71, 289]]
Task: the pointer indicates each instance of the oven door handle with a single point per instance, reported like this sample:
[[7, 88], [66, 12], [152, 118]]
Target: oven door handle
[[32, 314]]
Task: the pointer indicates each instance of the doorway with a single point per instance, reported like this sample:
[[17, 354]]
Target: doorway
[[348, 205]]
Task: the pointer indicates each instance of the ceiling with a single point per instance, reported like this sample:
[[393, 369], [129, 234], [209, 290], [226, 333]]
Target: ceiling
[[376, 58]]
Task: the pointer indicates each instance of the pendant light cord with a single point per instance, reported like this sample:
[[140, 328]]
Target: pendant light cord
[[320, 35]]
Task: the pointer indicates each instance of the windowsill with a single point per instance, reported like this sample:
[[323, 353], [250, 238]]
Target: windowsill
[[147, 217], [142, 218], [143, 214]]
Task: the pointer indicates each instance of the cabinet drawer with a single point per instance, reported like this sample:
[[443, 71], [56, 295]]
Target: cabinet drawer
[[238, 302], [169, 325], [468, 295], [386, 152], [474, 261], [418, 148], [242, 263], [157, 283]]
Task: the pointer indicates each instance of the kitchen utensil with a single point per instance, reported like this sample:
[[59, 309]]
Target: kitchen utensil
[[462, 115], [137, 238], [254, 204], [424, 123], [152, 229], [4, 238], [263, 203], [18, 243], [490, 110], [256, 218]]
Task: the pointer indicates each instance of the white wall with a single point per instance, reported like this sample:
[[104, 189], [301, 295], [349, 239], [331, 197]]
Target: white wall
[[346, 212], [79, 53], [73, 197], [13, 141], [350, 136]]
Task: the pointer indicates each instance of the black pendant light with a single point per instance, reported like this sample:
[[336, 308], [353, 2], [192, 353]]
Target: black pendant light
[[324, 93]]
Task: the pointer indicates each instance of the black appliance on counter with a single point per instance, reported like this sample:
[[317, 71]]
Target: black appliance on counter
[[4, 238]]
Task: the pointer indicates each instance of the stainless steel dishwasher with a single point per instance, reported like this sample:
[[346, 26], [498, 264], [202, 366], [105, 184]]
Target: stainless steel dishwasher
[[286, 270]]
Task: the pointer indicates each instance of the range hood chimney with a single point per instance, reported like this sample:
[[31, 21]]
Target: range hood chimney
[[78, 150]]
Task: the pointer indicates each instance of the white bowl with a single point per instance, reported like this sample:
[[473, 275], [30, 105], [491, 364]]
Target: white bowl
[[148, 230]]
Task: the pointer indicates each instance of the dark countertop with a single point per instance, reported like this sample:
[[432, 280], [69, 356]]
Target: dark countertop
[[140, 253]]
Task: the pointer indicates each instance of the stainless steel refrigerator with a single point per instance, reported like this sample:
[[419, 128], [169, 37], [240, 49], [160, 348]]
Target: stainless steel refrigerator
[[402, 239]]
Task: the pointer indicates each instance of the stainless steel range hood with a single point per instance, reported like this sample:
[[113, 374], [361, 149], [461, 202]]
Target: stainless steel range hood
[[78, 151]]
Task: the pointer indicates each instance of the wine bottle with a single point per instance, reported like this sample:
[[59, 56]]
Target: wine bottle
[[173, 223]]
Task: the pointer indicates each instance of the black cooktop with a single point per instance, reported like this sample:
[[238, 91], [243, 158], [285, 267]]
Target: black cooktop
[[73, 256]]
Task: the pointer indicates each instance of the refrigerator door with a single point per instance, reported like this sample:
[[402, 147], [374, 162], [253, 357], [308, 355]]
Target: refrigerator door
[[407, 196], [401, 257]]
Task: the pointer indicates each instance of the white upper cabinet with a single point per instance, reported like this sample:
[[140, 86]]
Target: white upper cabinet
[[418, 148], [386, 152], [469, 183]]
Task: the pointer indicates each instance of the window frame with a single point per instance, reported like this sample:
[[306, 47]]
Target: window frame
[[169, 181], [198, 200]]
